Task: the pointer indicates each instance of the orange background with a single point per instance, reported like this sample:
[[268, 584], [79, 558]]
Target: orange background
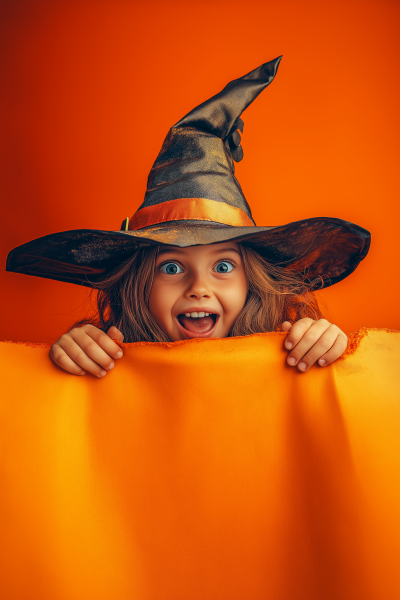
[[91, 89]]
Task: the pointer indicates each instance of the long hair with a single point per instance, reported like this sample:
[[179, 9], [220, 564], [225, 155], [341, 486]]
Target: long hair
[[274, 295]]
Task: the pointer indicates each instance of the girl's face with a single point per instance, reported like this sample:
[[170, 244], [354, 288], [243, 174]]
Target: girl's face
[[198, 292]]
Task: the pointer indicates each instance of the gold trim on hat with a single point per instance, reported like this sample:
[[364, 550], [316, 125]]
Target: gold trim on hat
[[190, 209]]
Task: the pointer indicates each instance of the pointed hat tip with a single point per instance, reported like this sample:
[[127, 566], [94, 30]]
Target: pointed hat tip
[[276, 62], [218, 114], [264, 75]]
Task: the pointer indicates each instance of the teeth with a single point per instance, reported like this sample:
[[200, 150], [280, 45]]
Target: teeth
[[196, 315]]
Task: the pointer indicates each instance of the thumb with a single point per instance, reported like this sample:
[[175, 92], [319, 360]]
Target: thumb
[[115, 334], [286, 326]]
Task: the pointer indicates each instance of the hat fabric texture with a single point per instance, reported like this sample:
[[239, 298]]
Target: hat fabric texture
[[194, 198]]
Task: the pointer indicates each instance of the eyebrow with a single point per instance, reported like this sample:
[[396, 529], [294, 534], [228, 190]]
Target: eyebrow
[[178, 249], [226, 250]]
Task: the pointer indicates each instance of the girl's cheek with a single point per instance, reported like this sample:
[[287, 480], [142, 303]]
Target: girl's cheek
[[155, 301], [161, 301]]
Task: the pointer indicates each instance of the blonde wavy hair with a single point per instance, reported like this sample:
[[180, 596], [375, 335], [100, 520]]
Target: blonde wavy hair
[[274, 295]]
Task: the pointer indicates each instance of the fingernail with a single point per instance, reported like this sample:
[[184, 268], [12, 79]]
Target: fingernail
[[102, 373], [289, 345], [111, 365], [322, 362], [119, 354], [292, 361], [302, 366]]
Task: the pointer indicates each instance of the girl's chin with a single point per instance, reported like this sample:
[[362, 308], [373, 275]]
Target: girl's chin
[[188, 335]]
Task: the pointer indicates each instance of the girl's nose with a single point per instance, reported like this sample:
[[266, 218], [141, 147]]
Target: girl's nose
[[198, 288]]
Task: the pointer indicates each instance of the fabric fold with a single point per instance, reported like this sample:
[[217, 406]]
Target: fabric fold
[[202, 469]]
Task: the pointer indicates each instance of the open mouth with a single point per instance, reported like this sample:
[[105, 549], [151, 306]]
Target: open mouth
[[197, 326]]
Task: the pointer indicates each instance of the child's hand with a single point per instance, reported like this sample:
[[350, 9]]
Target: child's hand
[[87, 349], [313, 341]]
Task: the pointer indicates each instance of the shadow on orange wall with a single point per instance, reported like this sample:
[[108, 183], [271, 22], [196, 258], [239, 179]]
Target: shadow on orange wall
[[91, 89]]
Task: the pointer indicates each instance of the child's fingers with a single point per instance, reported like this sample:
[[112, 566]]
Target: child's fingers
[[61, 358], [86, 348], [298, 331], [307, 334], [80, 356], [337, 350], [115, 334], [82, 347], [102, 339], [327, 342], [286, 326]]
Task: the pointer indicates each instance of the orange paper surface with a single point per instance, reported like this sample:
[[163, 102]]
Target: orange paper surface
[[201, 470]]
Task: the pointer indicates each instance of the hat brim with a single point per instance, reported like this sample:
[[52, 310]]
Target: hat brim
[[323, 250]]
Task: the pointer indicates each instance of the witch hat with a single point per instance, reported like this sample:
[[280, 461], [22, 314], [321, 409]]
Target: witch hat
[[194, 198]]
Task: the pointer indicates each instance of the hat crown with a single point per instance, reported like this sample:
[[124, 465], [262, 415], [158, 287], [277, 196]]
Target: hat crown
[[196, 160]]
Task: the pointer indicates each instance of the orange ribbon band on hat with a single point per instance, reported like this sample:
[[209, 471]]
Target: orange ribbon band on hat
[[184, 209]]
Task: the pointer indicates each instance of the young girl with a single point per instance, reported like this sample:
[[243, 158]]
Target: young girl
[[169, 294], [191, 263]]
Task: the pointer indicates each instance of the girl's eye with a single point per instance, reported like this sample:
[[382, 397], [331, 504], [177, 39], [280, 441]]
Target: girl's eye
[[171, 268], [224, 267]]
